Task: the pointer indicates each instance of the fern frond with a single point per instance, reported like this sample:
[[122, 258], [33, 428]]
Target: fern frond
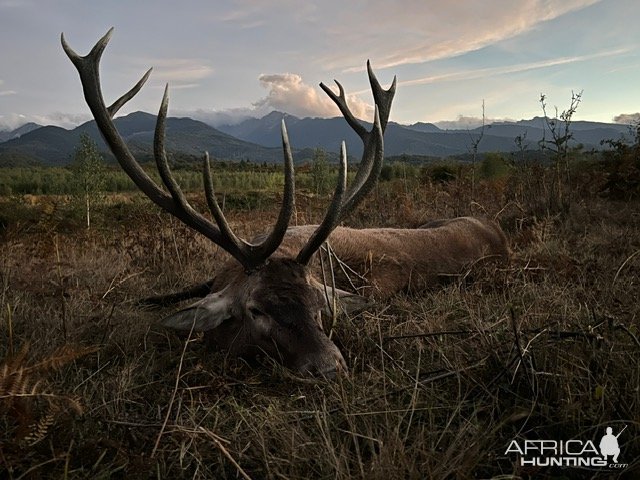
[[62, 356], [39, 430]]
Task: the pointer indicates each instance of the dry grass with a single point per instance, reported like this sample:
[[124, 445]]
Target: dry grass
[[440, 383]]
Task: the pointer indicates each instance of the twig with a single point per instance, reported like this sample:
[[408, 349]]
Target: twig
[[27, 473], [516, 336], [344, 267], [331, 302], [426, 381], [175, 390], [628, 332], [334, 305], [430, 334], [112, 285], [615, 277], [224, 451], [557, 334]]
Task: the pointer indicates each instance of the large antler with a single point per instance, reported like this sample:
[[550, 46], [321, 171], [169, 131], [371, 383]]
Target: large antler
[[249, 255], [370, 165]]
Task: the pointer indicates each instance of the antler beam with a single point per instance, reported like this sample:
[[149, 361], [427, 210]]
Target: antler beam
[[249, 255], [174, 202], [370, 164]]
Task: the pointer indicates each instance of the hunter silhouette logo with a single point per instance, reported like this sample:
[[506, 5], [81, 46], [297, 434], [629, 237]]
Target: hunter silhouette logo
[[609, 444]]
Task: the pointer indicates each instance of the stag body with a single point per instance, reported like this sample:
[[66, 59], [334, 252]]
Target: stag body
[[385, 261], [391, 260], [268, 297], [284, 300]]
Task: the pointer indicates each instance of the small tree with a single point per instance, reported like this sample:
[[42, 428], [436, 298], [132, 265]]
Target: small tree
[[320, 171], [90, 174], [475, 144], [559, 127], [622, 164]]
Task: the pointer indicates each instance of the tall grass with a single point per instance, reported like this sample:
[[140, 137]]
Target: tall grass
[[440, 383]]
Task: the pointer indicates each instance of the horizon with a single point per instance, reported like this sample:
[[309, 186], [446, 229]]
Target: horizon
[[444, 125], [239, 59]]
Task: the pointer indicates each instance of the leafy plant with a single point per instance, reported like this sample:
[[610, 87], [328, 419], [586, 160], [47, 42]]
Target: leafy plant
[[29, 408], [559, 127], [90, 175], [320, 171]]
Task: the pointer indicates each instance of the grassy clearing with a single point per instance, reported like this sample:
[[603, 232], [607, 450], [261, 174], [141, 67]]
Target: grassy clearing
[[547, 348]]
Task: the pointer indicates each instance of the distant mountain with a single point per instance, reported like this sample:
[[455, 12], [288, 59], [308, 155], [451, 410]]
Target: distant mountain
[[18, 132], [538, 122], [326, 133], [425, 127], [263, 131], [589, 134], [417, 139], [259, 139], [55, 146]]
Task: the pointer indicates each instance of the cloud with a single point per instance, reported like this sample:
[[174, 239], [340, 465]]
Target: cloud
[[178, 72], [465, 122], [418, 32], [248, 14], [215, 118], [423, 31], [11, 121], [508, 69], [627, 118], [289, 93]]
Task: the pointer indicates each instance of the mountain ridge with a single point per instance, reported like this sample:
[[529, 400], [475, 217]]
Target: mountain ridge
[[259, 139], [52, 145]]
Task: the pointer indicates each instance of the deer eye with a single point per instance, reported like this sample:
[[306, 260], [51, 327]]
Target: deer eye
[[256, 312]]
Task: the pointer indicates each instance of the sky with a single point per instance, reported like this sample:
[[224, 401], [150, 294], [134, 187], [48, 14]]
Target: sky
[[230, 59]]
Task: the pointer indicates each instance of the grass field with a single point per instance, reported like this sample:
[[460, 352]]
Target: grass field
[[440, 383]]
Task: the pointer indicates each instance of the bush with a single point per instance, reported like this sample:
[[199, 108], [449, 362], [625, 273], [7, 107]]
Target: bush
[[494, 166], [438, 173]]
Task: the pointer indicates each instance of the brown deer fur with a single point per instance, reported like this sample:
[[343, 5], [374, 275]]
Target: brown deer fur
[[392, 260]]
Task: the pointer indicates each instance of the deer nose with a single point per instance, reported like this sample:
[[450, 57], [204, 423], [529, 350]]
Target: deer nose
[[328, 365]]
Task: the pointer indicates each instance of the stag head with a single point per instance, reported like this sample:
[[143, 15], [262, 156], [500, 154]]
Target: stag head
[[265, 303]]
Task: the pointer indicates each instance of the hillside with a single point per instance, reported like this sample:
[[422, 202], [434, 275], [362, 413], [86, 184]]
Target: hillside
[[6, 135], [55, 146], [258, 139], [417, 139]]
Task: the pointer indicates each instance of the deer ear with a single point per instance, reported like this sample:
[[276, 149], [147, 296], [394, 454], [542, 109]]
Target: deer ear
[[205, 314], [350, 302]]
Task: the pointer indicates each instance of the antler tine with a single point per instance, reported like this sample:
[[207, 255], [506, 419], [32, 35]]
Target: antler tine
[[381, 97], [214, 206], [370, 164], [223, 235], [160, 155], [88, 69], [117, 105], [256, 255], [262, 251], [95, 53], [341, 101], [332, 216], [372, 156], [89, 66], [175, 203]]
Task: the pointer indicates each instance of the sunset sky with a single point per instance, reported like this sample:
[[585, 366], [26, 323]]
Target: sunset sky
[[226, 60]]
